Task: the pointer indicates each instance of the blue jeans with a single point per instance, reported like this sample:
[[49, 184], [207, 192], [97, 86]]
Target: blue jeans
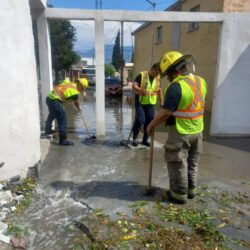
[[144, 114], [56, 111]]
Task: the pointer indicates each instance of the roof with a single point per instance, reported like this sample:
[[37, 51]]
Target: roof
[[173, 7]]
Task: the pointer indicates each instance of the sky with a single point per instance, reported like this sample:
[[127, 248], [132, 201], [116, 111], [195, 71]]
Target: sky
[[112, 4], [86, 42], [85, 29]]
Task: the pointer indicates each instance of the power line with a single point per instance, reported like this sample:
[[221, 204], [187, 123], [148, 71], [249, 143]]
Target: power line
[[152, 3]]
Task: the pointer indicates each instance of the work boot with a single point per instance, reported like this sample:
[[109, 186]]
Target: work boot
[[145, 143], [66, 143], [167, 196], [191, 196], [50, 133], [135, 142], [145, 140], [191, 193]]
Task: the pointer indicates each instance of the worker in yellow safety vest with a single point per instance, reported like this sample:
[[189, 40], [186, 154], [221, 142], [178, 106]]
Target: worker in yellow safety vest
[[64, 92], [147, 88], [182, 111]]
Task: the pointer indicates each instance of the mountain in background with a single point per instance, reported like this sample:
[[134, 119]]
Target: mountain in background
[[127, 53]]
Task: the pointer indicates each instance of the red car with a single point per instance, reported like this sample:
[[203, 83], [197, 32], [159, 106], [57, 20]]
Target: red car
[[113, 86]]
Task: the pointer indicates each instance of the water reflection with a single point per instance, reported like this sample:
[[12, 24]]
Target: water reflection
[[118, 117]]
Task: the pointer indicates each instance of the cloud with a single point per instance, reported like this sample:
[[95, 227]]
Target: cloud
[[85, 31]]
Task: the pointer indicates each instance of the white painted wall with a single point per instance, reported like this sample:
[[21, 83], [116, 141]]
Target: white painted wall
[[45, 63], [231, 104], [20, 131]]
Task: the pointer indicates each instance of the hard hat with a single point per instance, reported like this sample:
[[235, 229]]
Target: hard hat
[[171, 60], [66, 80], [84, 82]]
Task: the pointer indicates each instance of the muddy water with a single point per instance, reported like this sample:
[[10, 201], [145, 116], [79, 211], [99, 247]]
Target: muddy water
[[75, 180]]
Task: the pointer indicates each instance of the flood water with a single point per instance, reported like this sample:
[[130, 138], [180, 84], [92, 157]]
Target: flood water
[[118, 116], [74, 180]]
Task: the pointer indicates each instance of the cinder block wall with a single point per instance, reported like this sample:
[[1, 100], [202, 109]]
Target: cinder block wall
[[20, 131]]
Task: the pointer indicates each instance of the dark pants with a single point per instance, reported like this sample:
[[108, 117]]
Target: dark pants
[[144, 114], [56, 111], [182, 154]]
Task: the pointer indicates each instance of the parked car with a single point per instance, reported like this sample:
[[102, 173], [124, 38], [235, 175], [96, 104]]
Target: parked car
[[113, 86]]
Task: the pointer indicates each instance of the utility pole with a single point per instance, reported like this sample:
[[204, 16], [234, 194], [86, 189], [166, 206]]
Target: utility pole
[[98, 4], [132, 45], [153, 31], [122, 52]]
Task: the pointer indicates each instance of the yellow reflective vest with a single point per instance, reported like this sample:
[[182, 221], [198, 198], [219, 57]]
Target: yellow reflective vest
[[151, 89], [63, 91], [189, 114]]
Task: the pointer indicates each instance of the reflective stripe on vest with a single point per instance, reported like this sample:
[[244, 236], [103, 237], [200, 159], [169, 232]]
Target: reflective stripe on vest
[[178, 197], [60, 90], [151, 90], [196, 107], [192, 191]]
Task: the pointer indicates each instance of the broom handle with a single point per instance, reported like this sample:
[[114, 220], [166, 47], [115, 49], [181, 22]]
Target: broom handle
[[151, 160], [84, 122]]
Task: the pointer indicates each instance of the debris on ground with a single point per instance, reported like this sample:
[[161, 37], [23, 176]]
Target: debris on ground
[[19, 242], [15, 196], [200, 224]]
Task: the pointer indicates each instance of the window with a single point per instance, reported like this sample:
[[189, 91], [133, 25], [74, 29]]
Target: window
[[194, 25], [158, 38]]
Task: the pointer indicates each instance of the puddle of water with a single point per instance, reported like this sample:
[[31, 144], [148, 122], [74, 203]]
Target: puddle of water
[[118, 117], [49, 219]]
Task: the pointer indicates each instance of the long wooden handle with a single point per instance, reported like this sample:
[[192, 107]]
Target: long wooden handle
[[84, 122], [151, 160]]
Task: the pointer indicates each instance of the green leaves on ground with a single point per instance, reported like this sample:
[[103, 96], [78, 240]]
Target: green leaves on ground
[[152, 228], [17, 231], [158, 225]]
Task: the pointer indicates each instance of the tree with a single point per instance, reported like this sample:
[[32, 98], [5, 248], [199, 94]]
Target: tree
[[109, 70], [116, 56], [63, 36]]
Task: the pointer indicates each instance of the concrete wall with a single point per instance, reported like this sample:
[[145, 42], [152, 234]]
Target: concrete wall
[[20, 132], [230, 114]]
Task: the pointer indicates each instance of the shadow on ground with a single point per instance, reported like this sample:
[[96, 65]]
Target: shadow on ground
[[125, 190]]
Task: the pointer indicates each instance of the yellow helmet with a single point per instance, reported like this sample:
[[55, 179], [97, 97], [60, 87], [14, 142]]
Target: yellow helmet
[[170, 60], [66, 80], [84, 82]]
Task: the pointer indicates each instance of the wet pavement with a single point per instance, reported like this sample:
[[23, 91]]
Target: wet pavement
[[74, 180]]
